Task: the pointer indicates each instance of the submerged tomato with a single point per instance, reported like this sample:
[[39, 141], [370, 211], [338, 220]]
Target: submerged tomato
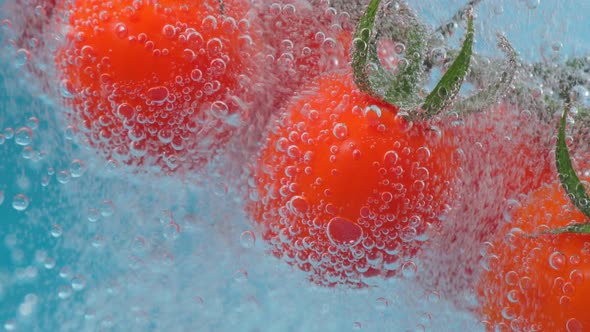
[[162, 84], [535, 281], [507, 155], [345, 188]]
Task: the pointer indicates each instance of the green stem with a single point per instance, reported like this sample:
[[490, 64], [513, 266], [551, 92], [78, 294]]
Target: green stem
[[567, 175], [449, 85]]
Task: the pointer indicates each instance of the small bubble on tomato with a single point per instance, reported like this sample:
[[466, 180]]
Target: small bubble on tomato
[[557, 260]]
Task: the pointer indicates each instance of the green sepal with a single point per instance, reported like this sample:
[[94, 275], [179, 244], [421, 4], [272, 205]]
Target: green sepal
[[567, 175], [449, 85], [576, 228]]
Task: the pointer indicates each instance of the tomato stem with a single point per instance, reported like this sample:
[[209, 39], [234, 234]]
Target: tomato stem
[[449, 85], [401, 89], [493, 92], [448, 28]]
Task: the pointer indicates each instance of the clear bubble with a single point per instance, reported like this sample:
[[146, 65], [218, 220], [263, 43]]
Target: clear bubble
[[1, 197], [63, 177], [77, 168], [78, 283], [49, 263], [248, 239], [64, 292], [10, 325], [220, 189], [56, 230], [66, 89], [93, 215], [409, 269], [22, 57], [8, 133], [23, 136], [557, 260], [20, 202], [65, 272], [340, 131], [172, 231], [32, 123], [106, 208]]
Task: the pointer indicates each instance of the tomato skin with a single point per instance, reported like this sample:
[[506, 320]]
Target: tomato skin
[[345, 193], [160, 84], [534, 281]]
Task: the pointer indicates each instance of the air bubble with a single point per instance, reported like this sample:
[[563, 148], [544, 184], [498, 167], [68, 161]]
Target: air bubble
[[56, 231], [78, 283], [409, 269], [66, 89], [298, 205], [106, 208], [248, 239], [33, 123], [158, 94], [77, 168], [172, 231], [169, 31], [344, 232], [557, 260], [340, 131], [8, 133], [23, 136], [390, 158], [64, 292], [63, 177], [22, 57], [372, 109], [121, 30], [574, 325], [20, 202]]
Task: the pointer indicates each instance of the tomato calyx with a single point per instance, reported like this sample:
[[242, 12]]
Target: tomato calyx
[[570, 182], [401, 89]]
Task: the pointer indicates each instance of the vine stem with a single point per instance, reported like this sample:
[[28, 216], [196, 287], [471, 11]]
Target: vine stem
[[449, 27]]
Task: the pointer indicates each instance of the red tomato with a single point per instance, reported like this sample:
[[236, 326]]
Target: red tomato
[[163, 83], [347, 189], [305, 41], [535, 281]]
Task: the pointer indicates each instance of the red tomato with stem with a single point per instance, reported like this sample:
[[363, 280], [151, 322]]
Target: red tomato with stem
[[346, 188], [161, 84], [534, 280]]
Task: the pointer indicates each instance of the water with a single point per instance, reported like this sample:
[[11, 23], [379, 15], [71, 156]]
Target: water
[[85, 246]]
